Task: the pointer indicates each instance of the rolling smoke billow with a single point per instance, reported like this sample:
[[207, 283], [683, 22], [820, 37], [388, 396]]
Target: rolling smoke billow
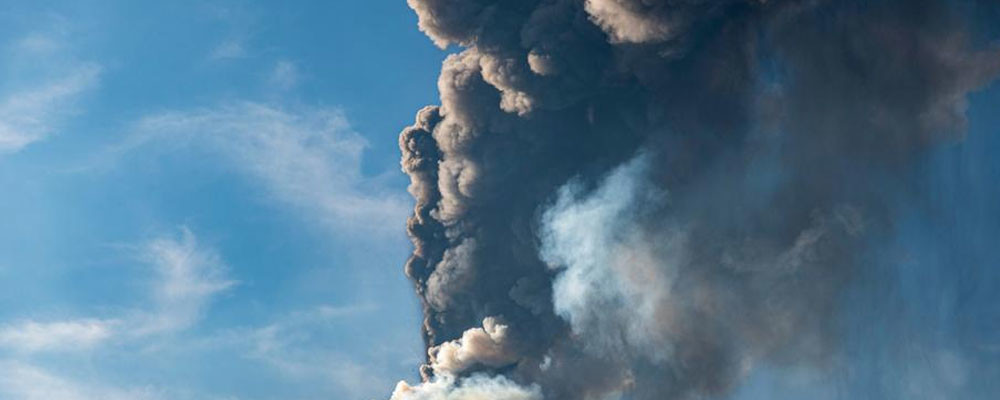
[[664, 199]]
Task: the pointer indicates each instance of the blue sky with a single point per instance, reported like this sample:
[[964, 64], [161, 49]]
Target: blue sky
[[201, 200]]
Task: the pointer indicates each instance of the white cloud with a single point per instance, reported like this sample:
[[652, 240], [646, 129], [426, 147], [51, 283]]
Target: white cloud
[[228, 49], [31, 336], [21, 381], [285, 75], [278, 343], [239, 25], [32, 114], [308, 158], [38, 44], [294, 347], [44, 81], [188, 276]]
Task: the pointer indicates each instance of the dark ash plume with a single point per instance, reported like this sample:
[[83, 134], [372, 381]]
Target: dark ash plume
[[648, 198]]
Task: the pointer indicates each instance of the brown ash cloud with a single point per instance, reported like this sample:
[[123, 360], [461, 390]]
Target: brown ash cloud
[[649, 198]]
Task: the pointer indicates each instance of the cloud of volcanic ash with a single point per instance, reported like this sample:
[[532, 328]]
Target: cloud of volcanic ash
[[647, 199]]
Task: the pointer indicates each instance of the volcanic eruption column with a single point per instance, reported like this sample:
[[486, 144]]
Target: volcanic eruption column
[[647, 199]]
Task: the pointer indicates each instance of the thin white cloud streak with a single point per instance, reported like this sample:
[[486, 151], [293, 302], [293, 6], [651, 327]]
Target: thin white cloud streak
[[21, 381], [239, 24], [37, 44], [228, 49], [73, 335], [32, 114], [309, 159], [286, 346], [187, 277], [285, 75], [45, 80]]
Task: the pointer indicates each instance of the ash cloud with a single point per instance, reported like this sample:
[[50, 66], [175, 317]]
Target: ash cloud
[[648, 199]]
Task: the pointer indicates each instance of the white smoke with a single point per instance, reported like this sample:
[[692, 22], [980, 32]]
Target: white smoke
[[475, 387], [607, 263], [632, 289]]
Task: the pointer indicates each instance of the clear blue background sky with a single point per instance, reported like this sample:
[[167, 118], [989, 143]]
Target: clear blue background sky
[[201, 200]]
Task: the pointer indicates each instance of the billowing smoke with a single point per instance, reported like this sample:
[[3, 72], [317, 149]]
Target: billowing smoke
[[647, 199]]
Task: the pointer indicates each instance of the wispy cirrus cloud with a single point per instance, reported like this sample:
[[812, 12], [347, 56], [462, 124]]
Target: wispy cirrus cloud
[[24, 381], [186, 277], [39, 105], [285, 75], [292, 347], [71, 335], [307, 158], [239, 23], [228, 49]]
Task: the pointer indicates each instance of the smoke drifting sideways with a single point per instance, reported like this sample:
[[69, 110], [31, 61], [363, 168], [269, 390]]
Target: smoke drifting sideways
[[649, 199]]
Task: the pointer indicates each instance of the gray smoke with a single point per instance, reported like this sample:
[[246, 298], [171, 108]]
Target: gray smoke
[[648, 198]]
